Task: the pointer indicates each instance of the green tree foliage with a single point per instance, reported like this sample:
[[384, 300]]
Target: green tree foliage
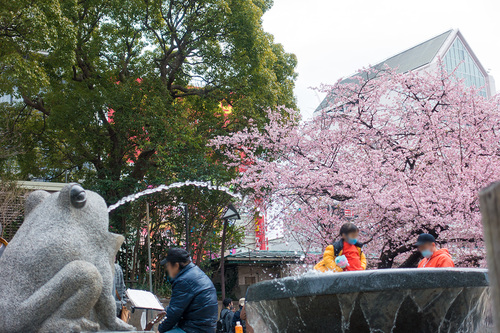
[[33, 35], [163, 67], [123, 94]]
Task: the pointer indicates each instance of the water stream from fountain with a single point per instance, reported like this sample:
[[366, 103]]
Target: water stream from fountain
[[135, 196]]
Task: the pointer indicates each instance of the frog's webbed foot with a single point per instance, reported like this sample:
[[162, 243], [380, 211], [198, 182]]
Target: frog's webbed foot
[[105, 311], [120, 325]]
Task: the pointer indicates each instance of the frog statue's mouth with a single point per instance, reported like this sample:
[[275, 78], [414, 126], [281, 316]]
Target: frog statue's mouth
[[385, 301]]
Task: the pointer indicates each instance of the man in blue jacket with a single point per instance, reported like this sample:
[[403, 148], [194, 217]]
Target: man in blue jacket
[[193, 306]]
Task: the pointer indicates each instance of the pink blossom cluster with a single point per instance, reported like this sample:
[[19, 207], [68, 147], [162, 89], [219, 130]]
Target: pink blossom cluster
[[408, 153]]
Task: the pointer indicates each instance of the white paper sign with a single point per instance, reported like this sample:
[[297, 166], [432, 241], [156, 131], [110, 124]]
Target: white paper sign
[[142, 299]]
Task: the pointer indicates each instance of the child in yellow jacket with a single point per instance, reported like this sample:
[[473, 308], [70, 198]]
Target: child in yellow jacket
[[345, 254]]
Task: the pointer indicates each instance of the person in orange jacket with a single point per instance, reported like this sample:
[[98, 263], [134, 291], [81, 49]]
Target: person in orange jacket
[[433, 257], [345, 254]]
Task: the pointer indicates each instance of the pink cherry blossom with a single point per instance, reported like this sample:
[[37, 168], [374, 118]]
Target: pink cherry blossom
[[406, 153]]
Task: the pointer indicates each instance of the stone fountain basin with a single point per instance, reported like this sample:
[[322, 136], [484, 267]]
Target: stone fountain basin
[[391, 300]]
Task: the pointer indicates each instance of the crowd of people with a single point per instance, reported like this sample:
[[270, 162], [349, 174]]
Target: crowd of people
[[193, 306], [230, 317]]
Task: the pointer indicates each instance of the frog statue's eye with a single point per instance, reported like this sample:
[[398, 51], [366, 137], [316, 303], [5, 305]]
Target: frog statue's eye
[[78, 196]]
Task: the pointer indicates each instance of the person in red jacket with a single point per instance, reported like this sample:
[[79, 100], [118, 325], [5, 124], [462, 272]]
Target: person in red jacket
[[344, 254], [432, 256]]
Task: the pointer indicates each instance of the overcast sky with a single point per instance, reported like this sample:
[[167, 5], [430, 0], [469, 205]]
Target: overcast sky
[[332, 38]]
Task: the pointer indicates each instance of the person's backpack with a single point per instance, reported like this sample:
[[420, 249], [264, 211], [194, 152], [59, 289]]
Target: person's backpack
[[221, 326]]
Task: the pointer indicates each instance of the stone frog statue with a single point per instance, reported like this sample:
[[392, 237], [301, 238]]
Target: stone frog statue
[[57, 271]]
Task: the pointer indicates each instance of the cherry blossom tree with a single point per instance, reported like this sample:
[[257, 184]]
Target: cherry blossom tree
[[405, 153]]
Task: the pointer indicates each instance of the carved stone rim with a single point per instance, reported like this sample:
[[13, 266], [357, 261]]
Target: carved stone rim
[[312, 284]]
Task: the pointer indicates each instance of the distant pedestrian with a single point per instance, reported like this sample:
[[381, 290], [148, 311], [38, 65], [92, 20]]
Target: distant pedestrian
[[119, 291], [345, 254], [433, 257], [243, 316], [226, 316], [237, 317]]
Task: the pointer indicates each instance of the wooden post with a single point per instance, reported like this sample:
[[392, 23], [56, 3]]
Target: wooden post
[[222, 261], [149, 255], [186, 220], [489, 199], [149, 248]]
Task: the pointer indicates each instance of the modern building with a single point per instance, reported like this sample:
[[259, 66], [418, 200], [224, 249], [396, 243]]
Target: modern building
[[451, 49]]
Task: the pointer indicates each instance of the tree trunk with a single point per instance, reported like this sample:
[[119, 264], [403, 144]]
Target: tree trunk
[[186, 221], [135, 256], [222, 250], [412, 260], [490, 210], [386, 260], [199, 252]]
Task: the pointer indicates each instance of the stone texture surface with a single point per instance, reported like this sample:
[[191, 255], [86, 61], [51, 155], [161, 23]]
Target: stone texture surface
[[57, 271], [397, 300]]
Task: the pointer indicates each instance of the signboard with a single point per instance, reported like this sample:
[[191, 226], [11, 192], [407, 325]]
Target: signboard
[[142, 299]]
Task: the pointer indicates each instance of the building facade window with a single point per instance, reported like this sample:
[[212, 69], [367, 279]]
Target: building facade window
[[249, 280], [459, 58]]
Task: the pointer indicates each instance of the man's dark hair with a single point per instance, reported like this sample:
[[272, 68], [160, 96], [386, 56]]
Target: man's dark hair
[[177, 255], [347, 228], [226, 302], [183, 264]]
